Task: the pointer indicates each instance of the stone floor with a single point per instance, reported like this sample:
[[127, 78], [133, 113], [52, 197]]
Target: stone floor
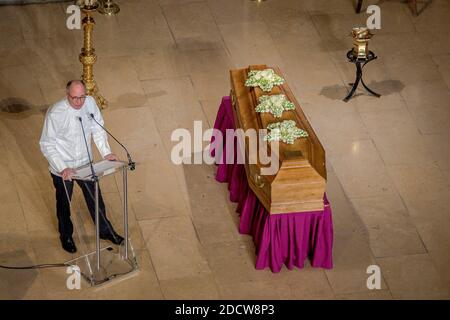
[[163, 64]]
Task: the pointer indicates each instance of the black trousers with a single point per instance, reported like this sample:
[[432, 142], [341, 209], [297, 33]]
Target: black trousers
[[65, 225]]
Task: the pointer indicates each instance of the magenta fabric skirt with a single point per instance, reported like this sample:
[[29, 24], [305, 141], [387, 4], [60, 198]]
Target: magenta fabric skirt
[[279, 239]]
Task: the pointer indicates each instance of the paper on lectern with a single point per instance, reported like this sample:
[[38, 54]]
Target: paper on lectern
[[103, 167]]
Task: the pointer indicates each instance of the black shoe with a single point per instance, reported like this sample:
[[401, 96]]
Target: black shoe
[[68, 244], [113, 237]]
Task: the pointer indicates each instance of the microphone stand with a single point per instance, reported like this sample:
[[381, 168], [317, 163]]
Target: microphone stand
[[94, 176], [131, 163], [95, 179]]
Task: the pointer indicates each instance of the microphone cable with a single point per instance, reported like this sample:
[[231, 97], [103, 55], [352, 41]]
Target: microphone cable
[[131, 163], [36, 266], [55, 265]]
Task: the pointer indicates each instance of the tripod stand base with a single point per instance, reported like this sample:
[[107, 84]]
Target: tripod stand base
[[113, 265], [360, 63], [353, 90]]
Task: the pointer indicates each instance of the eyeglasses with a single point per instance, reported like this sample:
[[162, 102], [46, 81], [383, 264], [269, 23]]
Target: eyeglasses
[[77, 98]]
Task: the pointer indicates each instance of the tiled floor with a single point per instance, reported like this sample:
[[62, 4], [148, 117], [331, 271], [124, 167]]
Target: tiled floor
[[162, 64]]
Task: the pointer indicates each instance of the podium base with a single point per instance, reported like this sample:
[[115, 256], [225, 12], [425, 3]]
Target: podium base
[[113, 265]]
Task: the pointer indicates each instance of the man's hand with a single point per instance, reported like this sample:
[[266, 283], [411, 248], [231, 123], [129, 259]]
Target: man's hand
[[111, 157], [67, 173]]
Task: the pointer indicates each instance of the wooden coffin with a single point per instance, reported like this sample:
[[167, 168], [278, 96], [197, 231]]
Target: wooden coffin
[[299, 185]]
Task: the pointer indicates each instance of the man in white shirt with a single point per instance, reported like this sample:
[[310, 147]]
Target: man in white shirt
[[63, 145]]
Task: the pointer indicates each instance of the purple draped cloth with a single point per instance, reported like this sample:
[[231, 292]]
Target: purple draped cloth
[[279, 238]]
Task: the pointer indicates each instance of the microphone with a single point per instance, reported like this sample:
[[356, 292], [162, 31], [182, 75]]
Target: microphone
[[87, 149], [131, 163]]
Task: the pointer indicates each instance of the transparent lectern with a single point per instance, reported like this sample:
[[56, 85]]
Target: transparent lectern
[[103, 264]]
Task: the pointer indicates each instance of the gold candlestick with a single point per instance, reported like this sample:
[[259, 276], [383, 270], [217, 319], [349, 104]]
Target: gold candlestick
[[361, 37], [87, 56], [108, 7]]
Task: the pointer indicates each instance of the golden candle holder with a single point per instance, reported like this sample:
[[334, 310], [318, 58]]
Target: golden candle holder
[[361, 37], [108, 8], [87, 56]]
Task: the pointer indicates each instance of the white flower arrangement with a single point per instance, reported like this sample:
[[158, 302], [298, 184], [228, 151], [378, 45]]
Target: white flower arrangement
[[286, 131], [274, 104], [265, 79]]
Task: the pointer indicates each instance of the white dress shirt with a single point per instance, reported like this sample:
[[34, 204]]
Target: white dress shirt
[[62, 141]]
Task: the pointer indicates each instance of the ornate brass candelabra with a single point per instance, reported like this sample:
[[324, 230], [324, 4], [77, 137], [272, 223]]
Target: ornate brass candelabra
[[87, 56]]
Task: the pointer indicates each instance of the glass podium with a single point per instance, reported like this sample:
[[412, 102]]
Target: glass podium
[[100, 264]]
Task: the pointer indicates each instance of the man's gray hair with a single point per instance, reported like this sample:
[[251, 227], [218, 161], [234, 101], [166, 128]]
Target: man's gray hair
[[76, 81]]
